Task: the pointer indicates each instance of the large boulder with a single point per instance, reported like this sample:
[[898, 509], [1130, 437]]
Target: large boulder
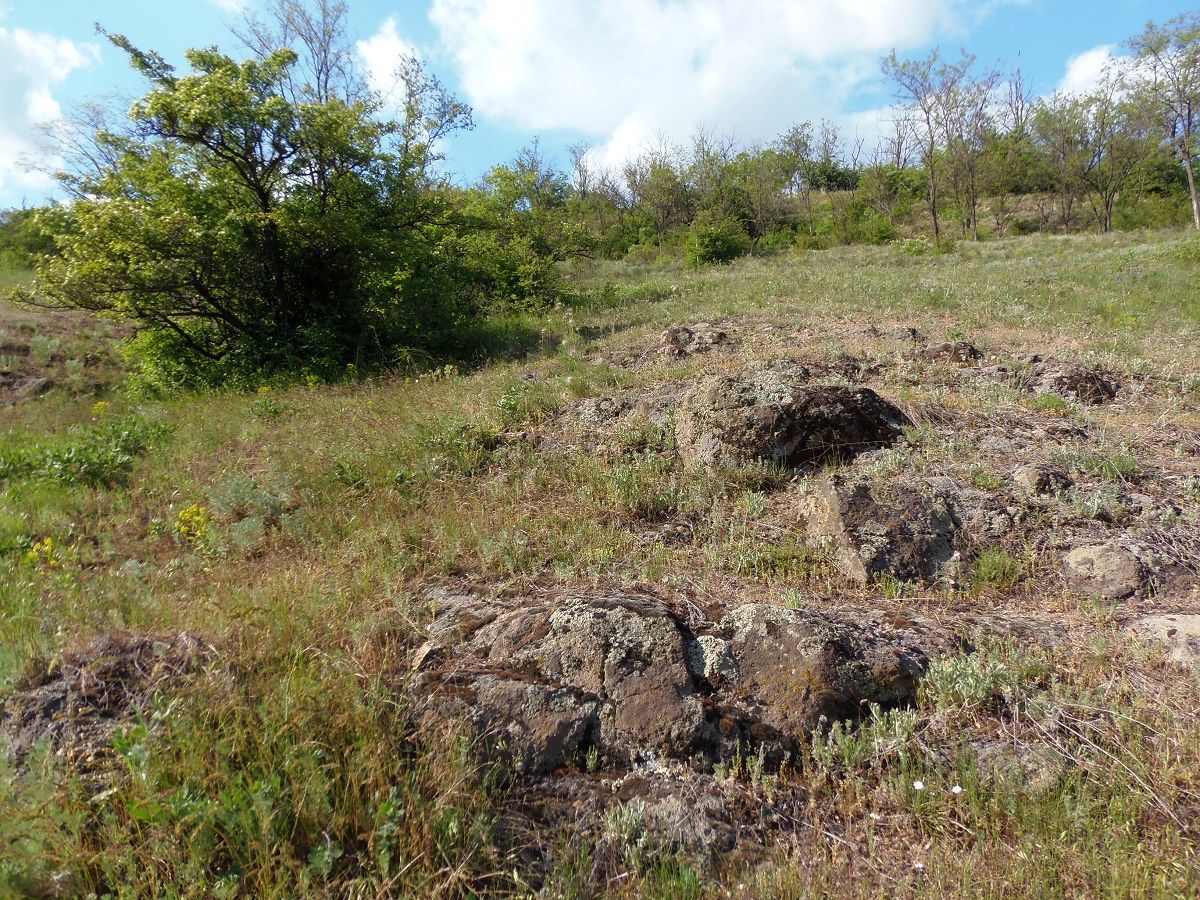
[[904, 530], [782, 672], [544, 683], [1108, 571], [768, 417], [540, 682]]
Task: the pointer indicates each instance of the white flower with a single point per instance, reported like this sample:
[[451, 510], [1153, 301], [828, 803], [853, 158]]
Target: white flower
[[918, 785], [919, 866], [957, 789]]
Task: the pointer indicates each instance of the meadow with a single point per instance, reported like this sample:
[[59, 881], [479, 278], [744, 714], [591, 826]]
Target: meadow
[[292, 530]]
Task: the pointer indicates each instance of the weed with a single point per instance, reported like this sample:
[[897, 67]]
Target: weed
[[99, 455], [193, 524], [42, 349], [982, 478], [1112, 465], [997, 568], [1052, 404], [1003, 673]]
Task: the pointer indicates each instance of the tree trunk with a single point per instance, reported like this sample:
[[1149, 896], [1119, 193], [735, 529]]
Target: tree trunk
[[937, 229], [1191, 183]]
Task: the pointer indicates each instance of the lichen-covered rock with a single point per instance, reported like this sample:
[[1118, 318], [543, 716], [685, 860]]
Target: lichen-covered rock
[[1042, 479], [680, 341], [536, 727], [794, 668], [541, 683], [905, 530], [629, 651], [601, 410], [1074, 382], [1108, 571], [623, 660], [728, 421], [959, 352]]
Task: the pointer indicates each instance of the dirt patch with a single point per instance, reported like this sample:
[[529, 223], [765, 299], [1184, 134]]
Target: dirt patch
[[79, 702]]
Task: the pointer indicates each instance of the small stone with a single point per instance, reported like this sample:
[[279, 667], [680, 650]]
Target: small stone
[[427, 656], [959, 352], [1076, 382], [681, 341]]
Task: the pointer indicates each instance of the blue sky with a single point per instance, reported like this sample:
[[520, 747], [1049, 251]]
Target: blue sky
[[618, 73]]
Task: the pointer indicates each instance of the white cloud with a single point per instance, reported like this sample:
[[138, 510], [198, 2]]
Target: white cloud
[[1085, 70], [31, 66], [382, 53], [234, 7], [625, 70]]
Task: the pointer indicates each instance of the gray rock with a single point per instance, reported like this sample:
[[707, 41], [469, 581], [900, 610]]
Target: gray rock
[[796, 668], [32, 387], [680, 341], [535, 727], [959, 352], [1042, 479], [601, 410], [1074, 382], [728, 421], [622, 660], [1180, 632], [1107, 571], [631, 652], [907, 531]]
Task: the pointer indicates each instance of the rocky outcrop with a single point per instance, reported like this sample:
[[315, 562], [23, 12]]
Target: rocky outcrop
[[770, 417], [904, 530], [543, 683]]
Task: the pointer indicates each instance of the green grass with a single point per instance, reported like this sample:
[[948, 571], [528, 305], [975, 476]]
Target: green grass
[[291, 768]]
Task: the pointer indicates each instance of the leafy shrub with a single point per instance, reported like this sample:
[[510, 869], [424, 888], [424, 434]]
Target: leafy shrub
[[711, 240], [241, 496], [982, 678], [100, 454]]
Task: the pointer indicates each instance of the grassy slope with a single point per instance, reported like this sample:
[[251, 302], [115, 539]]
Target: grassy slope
[[287, 529]]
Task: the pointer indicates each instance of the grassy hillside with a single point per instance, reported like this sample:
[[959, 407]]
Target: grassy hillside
[[292, 532]]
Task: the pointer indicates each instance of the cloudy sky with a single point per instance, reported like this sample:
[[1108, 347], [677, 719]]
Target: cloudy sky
[[615, 73]]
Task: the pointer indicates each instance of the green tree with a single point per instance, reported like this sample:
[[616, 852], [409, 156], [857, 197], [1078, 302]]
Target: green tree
[[1169, 59], [247, 225]]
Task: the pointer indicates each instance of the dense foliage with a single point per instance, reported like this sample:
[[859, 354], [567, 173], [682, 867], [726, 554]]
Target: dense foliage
[[265, 216]]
